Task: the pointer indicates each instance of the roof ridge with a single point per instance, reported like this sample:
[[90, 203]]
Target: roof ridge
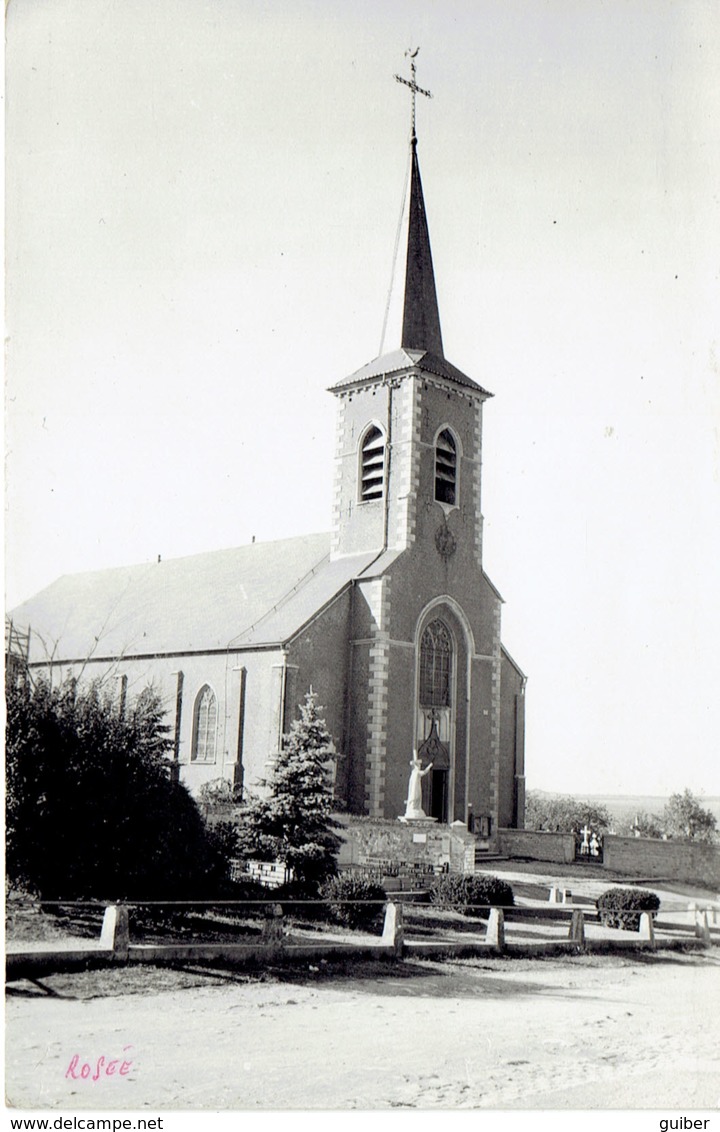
[[149, 565], [283, 599]]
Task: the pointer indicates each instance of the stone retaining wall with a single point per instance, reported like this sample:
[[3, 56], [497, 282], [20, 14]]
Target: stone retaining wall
[[396, 847], [537, 845], [688, 861]]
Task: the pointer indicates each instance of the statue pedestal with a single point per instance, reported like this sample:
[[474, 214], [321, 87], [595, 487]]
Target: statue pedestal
[[408, 849]]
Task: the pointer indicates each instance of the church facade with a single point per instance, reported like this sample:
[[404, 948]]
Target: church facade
[[390, 617]]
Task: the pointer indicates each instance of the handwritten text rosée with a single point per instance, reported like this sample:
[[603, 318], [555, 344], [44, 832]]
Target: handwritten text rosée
[[99, 1067]]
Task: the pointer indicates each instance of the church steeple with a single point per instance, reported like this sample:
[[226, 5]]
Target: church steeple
[[409, 422], [421, 345], [421, 317]]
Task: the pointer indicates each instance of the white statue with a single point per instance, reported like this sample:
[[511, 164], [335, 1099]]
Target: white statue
[[413, 806]]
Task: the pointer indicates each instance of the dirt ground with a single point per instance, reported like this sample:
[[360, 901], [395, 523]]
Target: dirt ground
[[587, 1032]]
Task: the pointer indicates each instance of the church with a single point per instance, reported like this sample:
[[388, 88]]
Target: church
[[389, 617]]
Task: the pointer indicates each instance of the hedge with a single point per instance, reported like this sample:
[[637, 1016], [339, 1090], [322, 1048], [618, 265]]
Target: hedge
[[464, 892], [622, 907], [354, 886]]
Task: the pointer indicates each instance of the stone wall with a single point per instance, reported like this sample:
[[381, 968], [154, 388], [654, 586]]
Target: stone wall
[[537, 845], [687, 861], [693, 863], [406, 848]]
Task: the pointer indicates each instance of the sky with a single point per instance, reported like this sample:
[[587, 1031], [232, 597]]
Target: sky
[[201, 206]]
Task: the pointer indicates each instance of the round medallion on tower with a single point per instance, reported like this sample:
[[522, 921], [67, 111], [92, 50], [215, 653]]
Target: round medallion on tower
[[445, 542]]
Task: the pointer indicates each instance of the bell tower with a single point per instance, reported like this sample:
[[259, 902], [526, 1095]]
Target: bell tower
[[409, 425], [427, 670]]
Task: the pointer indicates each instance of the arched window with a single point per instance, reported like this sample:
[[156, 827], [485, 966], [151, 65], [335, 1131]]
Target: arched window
[[435, 662], [446, 468], [372, 465], [204, 745]]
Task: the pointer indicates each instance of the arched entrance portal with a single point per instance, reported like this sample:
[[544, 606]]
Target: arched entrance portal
[[435, 715], [434, 751]]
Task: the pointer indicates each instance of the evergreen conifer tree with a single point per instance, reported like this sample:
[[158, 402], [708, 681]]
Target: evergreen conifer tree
[[294, 822]]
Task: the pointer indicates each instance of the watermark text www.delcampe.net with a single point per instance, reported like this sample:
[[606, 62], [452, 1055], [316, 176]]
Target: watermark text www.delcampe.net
[[87, 1124]]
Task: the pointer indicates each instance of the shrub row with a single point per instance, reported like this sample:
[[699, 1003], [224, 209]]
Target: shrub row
[[473, 895], [470, 894]]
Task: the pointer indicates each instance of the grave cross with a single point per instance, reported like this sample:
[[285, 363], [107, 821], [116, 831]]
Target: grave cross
[[413, 86]]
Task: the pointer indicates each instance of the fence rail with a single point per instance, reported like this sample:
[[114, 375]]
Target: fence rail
[[273, 943]]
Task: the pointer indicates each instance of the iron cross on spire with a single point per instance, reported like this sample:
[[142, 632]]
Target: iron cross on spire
[[413, 86]]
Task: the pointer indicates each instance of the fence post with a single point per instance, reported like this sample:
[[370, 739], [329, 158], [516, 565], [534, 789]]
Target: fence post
[[273, 929], [393, 933], [646, 929], [702, 926], [577, 927], [115, 933], [495, 934]]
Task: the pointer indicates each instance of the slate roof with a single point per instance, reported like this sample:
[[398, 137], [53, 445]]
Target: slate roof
[[243, 597], [405, 359], [421, 317]]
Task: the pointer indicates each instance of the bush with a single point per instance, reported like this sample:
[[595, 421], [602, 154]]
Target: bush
[[622, 907], [92, 808], [463, 892], [354, 886]]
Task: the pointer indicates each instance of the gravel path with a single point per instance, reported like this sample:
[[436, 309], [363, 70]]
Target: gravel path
[[587, 1032]]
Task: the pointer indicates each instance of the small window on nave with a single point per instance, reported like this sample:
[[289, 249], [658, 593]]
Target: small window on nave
[[372, 465], [446, 468], [435, 659], [204, 745]]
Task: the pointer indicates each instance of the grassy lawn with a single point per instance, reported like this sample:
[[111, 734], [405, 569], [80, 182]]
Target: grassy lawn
[[578, 871], [28, 921], [575, 869], [151, 980]]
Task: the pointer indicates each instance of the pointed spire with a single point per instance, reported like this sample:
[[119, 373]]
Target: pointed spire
[[421, 338], [421, 317]]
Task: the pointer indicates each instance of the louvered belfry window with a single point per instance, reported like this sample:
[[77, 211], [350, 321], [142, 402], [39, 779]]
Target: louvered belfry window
[[435, 659], [372, 472], [446, 468], [204, 748]]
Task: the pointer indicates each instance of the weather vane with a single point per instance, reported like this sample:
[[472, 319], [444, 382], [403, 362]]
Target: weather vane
[[412, 55]]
